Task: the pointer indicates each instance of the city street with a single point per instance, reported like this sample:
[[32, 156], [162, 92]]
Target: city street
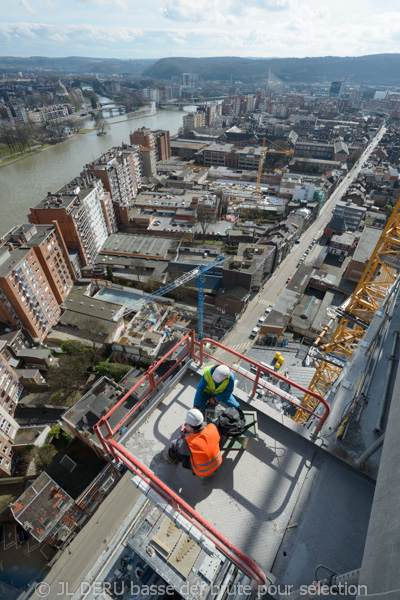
[[238, 338]]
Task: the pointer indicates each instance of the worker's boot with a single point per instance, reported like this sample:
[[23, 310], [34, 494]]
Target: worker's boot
[[169, 458]]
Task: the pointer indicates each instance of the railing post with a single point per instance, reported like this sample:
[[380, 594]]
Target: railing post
[[191, 338], [201, 352], [253, 393]]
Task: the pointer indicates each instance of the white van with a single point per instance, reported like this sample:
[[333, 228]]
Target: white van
[[255, 331], [261, 320]]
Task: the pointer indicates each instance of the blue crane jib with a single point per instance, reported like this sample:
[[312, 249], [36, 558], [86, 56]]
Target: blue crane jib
[[197, 272]]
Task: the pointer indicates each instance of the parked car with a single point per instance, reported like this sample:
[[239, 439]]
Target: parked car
[[288, 279], [261, 320], [267, 311], [255, 331]]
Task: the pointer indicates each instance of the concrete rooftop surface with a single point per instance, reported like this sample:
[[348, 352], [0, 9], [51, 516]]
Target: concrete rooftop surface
[[285, 501]]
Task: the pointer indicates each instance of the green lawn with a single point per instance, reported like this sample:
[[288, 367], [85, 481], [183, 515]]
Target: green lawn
[[6, 152]]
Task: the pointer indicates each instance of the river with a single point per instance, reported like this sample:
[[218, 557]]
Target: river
[[26, 182]]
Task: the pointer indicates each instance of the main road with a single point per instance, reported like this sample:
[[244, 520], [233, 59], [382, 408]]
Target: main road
[[238, 338]]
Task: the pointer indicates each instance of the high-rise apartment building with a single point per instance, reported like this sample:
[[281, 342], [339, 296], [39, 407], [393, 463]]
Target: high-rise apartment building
[[142, 137], [163, 145], [148, 148], [148, 161], [119, 169], [10, 391], [36, 276], [84, 215], [157, 142], [193, 120]]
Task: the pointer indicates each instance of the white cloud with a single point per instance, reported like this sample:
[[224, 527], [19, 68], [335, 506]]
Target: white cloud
[[28, 7], [121, 4], [219, 11], [202, 28]]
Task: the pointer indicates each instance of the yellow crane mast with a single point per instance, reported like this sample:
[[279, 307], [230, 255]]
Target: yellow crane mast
[[379, 274]]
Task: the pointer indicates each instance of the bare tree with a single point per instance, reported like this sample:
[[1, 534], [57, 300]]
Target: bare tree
[[101, 125], [203, 218], [93, 332]]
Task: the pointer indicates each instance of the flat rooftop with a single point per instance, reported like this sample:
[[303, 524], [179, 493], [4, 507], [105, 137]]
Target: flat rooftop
[[139, 245]]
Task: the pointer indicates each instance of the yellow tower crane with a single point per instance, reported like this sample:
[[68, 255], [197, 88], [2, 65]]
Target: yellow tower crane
[[265, 150], [379, 275]]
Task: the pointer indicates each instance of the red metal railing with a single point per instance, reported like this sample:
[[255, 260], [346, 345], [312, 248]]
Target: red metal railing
[[227, 548], [264, 369], [111, 446]]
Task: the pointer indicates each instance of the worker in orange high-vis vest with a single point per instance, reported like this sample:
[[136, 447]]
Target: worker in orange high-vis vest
[[197, 448]]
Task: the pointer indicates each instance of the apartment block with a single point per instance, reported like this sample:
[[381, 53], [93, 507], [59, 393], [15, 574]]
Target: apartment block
[[120, 171], [35, 277], [78, 208], [152, 146], [351, 213], [143, 137], [148, 161], [10, 392], [193, 120], [163, 145]]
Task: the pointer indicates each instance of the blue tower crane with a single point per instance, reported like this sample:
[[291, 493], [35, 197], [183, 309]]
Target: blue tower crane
[[197, 272]]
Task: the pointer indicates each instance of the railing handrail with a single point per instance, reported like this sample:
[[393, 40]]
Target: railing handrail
[[263, 368], [148, 376], [227, 547], [119, 453]]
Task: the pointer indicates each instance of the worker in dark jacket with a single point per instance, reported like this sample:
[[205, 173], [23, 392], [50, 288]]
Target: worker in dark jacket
[[197, 448], [215, 386]]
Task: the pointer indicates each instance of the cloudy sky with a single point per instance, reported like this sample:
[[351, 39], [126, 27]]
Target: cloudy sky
[[159, 28]]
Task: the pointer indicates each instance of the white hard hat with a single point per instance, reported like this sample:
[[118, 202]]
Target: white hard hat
[[194, 417], [220, 373]]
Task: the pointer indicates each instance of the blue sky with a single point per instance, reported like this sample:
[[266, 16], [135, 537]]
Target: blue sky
[[155, 29]]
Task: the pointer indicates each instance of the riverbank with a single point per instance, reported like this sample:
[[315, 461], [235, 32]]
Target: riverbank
[[8, 160], [25, 182]]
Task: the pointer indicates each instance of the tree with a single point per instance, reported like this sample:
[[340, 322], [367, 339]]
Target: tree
[[203, 218], [43, 455], [110, 274], [112, 370], [71, 374], [72, 347], [92, 331], [93, 100], [354, 156], [101, 125]]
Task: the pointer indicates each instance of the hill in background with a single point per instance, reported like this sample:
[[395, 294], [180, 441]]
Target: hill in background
[[376, 69], [75, 64]]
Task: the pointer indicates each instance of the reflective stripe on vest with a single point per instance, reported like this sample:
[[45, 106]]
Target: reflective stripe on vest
[[204, 446], [211, 386]]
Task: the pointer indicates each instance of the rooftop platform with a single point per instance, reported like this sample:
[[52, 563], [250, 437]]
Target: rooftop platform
[[284, 501]]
